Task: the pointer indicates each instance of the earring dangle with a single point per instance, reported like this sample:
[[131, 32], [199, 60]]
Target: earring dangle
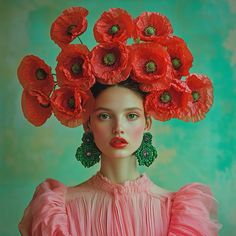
[[146, 153], [88, 153]]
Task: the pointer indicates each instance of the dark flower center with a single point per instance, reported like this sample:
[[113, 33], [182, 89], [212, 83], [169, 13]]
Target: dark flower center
[[45, 105], [150, 67], [176, 63], [41, 74], [195, 96], [76, 68], [165, 97], [109, 59], [71, 103], [114, 29], [69, 29], [149, 31], [138, 40]]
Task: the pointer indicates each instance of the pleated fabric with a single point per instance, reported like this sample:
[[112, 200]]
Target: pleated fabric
[[138, 207]]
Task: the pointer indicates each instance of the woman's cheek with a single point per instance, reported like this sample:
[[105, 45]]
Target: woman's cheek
[[137, 132], [101, 133]]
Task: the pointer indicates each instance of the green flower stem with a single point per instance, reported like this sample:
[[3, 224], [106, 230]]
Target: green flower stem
[[80, 40]]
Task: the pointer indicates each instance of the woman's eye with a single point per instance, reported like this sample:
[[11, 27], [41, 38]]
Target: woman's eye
[[103, 116], [132, 116]]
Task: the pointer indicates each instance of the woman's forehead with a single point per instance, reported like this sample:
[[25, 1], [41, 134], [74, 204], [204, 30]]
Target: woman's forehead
[[118, 97], [112, 109]]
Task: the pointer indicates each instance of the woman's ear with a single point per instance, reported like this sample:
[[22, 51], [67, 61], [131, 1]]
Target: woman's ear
[[86, 126], [148, 123]]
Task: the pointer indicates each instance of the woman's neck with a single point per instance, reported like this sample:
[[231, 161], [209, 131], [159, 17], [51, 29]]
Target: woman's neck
[[119, 170]]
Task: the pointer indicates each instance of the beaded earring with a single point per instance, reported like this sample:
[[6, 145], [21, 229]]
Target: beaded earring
[[146, 153], [88, 153]]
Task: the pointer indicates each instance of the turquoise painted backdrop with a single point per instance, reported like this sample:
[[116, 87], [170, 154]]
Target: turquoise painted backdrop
[[188, 152]]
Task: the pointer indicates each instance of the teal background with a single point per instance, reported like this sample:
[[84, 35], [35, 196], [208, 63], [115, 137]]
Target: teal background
[[188, 152]]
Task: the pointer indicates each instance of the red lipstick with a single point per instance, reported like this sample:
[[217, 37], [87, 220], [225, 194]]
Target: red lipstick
[[118, 142]]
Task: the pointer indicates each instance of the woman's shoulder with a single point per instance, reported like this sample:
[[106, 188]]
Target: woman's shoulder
[[186, 192], [195, 194], [50, 185], [46, 212], [52, 189], [194, 211]]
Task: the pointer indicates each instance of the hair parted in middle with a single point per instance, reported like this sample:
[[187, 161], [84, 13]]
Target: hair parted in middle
[[97, 88]]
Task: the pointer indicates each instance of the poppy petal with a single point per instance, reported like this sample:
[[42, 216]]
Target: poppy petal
[[151, 66], [115, 25], [36, 107], [71, 106], [201, 100], [166, 104], [34, 74], [69, 25], [74, 67], [152, 25], [111, 62]]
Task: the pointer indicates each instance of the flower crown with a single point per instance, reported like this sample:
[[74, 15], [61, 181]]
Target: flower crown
[[157, 60]]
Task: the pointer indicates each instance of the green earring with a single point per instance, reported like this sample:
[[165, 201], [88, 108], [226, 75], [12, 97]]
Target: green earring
[[146, 153], [88, 153]]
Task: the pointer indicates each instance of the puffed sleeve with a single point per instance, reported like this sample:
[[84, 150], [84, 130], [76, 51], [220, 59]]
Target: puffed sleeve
[[46, 213], [194, 212]]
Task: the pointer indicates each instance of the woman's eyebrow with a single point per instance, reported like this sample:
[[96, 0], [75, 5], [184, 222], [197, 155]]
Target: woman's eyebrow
[[126, 109]]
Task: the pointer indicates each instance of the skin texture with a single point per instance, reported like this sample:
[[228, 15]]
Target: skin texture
[[118, 112]]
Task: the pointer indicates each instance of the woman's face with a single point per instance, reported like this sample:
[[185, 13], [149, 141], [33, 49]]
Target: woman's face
[[118, 113]]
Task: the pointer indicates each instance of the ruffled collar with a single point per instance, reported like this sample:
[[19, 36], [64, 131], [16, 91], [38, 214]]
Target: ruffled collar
[[141, 184]]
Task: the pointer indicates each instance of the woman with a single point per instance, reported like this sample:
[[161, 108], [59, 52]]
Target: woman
[[116, 116]]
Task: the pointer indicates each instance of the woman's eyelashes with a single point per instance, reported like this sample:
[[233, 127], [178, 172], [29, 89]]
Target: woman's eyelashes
[[132, 116], [103, 116], [107, 116]]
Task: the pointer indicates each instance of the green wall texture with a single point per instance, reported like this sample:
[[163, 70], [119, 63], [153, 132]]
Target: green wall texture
[[204, 151]]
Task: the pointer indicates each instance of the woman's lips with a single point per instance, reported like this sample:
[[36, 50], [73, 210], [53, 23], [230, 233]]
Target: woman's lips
[[118, 142]]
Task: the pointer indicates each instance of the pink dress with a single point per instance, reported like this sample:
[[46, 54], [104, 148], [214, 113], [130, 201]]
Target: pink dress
[[138, 207]]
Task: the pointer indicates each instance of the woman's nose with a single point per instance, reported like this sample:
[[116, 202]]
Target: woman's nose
[[117, 127]]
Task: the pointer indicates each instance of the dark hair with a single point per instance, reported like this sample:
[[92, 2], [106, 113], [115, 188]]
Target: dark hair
[[97, 88]]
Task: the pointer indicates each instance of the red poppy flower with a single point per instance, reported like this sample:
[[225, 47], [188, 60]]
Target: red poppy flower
[[151, 25], [115, 25], [70, 24], [34, 74], [180, 55], [74, 68], [151, 66], [166, 104], [36, 107], [111, 62], [71, 106], [201, 100]]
